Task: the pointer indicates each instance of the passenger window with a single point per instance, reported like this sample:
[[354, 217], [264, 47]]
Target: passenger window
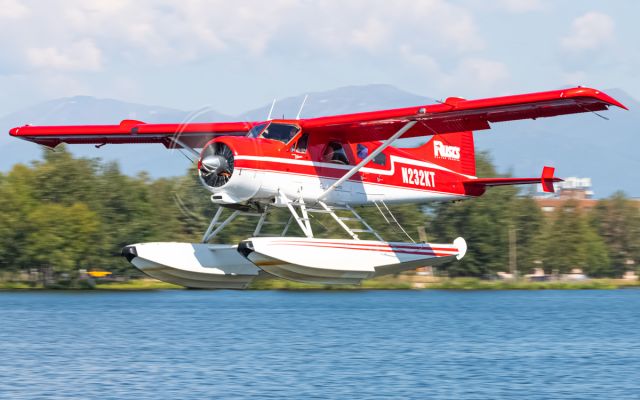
[[380, 159], [362, 151], [334, 153]]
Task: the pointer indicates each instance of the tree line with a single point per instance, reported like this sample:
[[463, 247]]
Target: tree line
[[66, 213]]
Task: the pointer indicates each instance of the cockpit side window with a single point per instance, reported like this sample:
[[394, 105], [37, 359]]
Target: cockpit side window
[[302, 143], [256, 130], [334, 153], [280, 132]]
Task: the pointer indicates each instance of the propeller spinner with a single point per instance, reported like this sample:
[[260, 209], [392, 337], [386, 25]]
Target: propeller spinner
[[216, 164]]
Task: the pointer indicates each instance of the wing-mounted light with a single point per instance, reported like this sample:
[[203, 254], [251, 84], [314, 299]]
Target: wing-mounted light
[[216, 164]]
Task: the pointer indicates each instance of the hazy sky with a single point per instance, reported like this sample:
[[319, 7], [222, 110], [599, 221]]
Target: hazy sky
[[236, 55]]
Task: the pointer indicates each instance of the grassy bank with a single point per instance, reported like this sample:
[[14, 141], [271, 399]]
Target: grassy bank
[[478, 284], [401, 283], [382, 283], [133, 284], [137, 284]]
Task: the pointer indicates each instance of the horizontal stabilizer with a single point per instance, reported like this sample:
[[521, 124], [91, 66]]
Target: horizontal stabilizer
[[547, 179]]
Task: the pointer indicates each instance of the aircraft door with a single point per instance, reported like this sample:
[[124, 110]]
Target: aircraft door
[[342, 157]]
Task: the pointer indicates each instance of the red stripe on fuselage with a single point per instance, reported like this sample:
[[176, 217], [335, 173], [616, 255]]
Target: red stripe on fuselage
[[426, 179]]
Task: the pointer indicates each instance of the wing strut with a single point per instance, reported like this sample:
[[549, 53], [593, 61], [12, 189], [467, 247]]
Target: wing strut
[[180, 143], [370, 157]]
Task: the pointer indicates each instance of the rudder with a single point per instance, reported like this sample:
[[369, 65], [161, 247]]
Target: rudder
[[454, 151]]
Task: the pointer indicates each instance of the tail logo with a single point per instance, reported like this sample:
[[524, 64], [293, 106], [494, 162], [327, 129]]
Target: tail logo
[[442, 150]]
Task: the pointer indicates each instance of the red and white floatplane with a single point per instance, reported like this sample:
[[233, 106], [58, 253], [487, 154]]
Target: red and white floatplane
[[325, 165]]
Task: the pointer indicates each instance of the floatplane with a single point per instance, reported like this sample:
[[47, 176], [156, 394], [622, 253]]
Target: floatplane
[[324, 165]]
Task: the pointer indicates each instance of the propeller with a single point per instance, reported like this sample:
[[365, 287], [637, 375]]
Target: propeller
[[216, 165]]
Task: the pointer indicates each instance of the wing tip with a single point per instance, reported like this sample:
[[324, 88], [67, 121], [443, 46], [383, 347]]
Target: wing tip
[[595, 93], [15, 132]]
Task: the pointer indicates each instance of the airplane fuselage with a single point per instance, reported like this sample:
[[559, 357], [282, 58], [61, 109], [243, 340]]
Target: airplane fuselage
[[265, 168]]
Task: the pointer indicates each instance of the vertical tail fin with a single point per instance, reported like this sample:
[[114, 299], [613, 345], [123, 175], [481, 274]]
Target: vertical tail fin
[[454, 151], [548, 179]]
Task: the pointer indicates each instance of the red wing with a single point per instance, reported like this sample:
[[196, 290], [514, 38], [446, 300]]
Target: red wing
[[457, 115], [454, 115], [192, 134]]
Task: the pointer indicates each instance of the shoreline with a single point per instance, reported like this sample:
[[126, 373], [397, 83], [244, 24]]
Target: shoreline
[[384, 283]]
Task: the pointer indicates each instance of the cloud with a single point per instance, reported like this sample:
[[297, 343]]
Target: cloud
[[79, 56], [143, 39], [476, 76], [381, 27], [575, 78], [59, 84], [421, 60], [171, 32], [480, 72], [589, 32], [168, 32], [372, 36], [522, 6], [445, 22], [12, 9], [470, 76]]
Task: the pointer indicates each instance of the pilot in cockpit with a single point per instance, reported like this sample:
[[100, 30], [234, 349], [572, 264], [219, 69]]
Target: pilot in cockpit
[[334, 153]]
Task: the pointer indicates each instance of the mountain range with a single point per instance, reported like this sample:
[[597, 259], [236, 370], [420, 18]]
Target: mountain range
[[583, 145]]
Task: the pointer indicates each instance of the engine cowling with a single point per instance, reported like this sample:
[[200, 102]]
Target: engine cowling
[[220, 174], [216, 164]]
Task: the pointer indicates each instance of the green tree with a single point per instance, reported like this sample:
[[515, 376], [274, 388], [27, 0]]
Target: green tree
[[59, 236], [529, 224], [16, 201], [485, 223], [617, 221], [72, 212], [573, 243], [124, 208], [61, 178]]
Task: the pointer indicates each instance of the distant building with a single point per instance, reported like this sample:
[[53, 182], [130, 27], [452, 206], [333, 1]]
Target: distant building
[[573, 188], [576, 274]]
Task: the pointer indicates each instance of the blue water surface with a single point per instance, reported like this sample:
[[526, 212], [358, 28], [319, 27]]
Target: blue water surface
[[308, 345]]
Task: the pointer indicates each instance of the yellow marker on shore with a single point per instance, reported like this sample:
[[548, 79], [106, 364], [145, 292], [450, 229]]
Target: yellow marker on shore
[[98, 274]]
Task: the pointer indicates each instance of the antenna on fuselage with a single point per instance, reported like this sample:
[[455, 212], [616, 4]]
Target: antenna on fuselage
[[302, 106], [271, 109]]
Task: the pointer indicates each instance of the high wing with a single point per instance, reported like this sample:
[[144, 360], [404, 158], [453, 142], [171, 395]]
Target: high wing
[[457, 115], [453, 115], [194, 135]]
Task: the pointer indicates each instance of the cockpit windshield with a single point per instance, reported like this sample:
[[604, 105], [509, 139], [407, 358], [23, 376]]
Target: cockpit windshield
[[280, 132], [257, 130]]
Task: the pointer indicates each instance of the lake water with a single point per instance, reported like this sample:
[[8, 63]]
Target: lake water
[[343, 345]]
